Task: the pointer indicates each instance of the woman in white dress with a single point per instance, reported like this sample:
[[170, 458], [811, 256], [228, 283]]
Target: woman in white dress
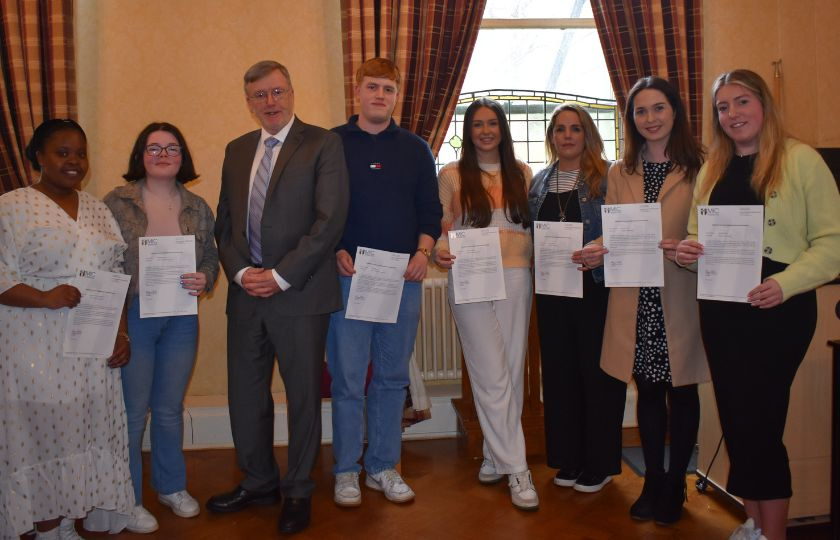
[[63, 440]]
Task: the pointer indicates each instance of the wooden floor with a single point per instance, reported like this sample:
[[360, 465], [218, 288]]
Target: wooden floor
[[450, 504]]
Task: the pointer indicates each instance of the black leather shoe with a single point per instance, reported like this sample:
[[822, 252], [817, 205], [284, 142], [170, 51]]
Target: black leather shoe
[[239, 498], [295, 515]]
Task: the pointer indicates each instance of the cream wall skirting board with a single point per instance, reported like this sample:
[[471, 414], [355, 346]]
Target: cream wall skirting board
[[207, 422]]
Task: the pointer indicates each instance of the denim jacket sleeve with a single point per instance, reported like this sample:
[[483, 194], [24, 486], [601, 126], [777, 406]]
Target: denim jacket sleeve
[[590, 211]]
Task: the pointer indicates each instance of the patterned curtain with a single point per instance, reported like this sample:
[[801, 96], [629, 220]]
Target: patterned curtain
[[654, 37], [431, 41], [39, 79]]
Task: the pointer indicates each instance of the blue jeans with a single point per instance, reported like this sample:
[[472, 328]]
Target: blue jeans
[[351, 346], [155, 379]]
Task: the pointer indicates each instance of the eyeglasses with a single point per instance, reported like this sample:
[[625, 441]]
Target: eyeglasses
[[277, 93], [170, 149]]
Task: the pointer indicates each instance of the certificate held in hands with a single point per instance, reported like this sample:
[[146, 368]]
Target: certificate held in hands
[[162, 261], [554, 271], [632, 233], [377, 286], [92, 325], [732, 237], [477, 274]]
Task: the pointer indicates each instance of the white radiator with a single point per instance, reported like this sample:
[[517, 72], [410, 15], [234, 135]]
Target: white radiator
[[437, 351]]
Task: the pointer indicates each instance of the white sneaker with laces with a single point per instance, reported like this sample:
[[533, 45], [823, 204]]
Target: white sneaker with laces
[[141, 521], [67, 530], [182, 504], [487, 473], [347, 492], [391, 484], [523, 494]]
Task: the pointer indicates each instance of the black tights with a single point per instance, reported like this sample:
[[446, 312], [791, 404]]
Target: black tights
[[652, 413]]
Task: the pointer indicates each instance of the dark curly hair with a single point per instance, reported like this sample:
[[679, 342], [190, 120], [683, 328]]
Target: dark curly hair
[[47, 129]]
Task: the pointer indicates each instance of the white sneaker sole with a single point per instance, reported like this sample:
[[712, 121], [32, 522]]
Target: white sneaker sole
[[527, 506], [490, 479], [142, 530], [593, 489], [348, 502], [564, 482], [374, 485], [177, 511]]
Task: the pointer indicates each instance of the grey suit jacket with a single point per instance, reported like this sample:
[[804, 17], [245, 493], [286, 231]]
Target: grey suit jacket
[[303, 220]]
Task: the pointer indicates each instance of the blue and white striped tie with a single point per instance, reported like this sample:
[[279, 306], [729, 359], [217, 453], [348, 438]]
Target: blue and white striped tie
[[255, 206]]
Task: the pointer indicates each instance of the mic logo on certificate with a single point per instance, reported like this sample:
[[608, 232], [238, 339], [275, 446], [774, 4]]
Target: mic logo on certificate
[[163, 259], [477, 274], [376, 287]]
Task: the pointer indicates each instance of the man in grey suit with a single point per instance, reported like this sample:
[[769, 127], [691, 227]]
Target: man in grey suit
[[282, 208]]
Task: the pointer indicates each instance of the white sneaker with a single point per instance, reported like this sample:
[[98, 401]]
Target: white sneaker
[[51, 534], [67, 530], [523, 494], [391, 484], [487, 473], [747, 531], [182, 504], [347, 492], [141, 521]]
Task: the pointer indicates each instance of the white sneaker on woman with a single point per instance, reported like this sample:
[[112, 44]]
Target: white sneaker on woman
[[67, 530], [747, 531], [51, 534], [182, 504], [487, 473], [141, 521], [523, 494]]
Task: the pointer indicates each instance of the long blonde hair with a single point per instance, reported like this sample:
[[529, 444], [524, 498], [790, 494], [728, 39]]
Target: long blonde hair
[[767, 170], [593, 164]]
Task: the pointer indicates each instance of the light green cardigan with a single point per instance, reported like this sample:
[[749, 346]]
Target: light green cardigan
[[801, 220]]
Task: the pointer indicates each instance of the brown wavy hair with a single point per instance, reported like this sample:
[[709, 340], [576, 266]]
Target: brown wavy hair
[[767, 169], [682, 150], [593, 162], [475, 201]]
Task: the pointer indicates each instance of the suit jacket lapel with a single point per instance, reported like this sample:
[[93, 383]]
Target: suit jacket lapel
[[290, 145]]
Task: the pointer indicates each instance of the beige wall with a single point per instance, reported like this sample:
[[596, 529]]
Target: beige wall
[[803, 34], [182, 62]]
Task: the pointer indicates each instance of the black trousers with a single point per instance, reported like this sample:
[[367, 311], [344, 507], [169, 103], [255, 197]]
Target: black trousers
[[753, 357], [583, 406]]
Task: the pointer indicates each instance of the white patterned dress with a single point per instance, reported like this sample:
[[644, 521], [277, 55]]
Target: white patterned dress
[[63, 437]]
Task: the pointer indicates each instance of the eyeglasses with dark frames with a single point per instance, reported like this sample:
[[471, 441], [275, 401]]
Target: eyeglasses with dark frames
[[170, 150]]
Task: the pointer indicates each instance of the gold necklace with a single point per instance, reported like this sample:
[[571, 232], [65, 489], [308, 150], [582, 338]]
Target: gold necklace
[[561, 208]]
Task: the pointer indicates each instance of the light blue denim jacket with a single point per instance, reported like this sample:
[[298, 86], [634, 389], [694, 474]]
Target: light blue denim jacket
[[590, 208]]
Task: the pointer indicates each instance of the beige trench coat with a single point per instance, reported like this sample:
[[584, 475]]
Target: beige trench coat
[[679, 295]]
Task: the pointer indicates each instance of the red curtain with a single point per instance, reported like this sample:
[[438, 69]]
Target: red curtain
[[431, 41], [39, 79], [654, 37]]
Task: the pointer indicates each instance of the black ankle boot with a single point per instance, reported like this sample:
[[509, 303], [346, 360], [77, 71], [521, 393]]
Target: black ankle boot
[[643, 508], [669, 505]]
